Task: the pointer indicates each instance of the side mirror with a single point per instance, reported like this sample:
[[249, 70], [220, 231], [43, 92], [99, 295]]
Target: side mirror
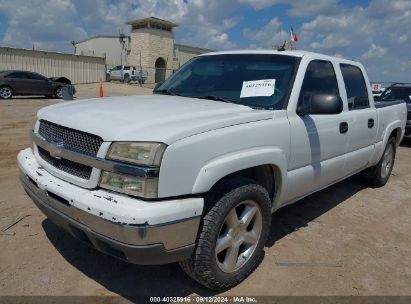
[[158, 84], [320, 104]]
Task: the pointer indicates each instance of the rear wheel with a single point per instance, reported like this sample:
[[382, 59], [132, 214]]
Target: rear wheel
[[379, 174], [6, 92], [127, 78], [232, 236], [108, 78]]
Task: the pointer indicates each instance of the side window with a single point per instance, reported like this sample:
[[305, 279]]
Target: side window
[[35, 76], [355, 86], [17, 75], [319, 78]]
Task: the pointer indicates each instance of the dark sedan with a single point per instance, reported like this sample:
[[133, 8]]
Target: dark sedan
[[29, 83]]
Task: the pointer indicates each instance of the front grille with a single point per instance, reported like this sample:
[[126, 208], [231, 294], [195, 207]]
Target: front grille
[[66, 165], [75, 140]]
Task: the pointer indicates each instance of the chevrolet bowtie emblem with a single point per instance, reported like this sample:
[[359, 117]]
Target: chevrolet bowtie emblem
[[55, 150]]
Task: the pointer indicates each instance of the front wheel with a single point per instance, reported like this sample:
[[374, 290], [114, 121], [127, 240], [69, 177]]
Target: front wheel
[[232, 236], [379, 174], [58, 92]]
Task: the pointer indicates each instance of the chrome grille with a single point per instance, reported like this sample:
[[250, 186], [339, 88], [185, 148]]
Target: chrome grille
[[66, 165], [78, 141]]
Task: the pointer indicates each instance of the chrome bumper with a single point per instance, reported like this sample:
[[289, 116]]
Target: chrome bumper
[[138, 244], [138, 231]]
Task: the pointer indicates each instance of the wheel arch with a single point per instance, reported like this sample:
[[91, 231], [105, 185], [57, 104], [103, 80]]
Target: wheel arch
[[266, 166]]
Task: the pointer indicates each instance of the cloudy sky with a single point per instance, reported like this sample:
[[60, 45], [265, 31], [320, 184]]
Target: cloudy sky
[[376, 32]]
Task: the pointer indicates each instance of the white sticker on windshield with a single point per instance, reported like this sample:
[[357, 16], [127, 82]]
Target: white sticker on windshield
[[264, 87]]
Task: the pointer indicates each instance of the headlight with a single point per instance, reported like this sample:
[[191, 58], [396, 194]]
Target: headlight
[[139, 153], [133, 185], [142, 153]]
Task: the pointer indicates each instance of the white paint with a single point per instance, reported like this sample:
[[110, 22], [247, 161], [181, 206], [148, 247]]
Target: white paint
[[208, 140]]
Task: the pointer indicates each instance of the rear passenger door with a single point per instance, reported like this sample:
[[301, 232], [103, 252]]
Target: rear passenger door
[[362, 119], [19, 82]]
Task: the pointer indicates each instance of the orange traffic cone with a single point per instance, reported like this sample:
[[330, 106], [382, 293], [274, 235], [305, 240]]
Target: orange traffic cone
[[101, 88]]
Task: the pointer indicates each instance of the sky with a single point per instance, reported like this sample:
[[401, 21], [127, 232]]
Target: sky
[[374, 32]]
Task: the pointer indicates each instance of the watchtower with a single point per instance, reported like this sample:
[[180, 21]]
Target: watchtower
[[152, 47]]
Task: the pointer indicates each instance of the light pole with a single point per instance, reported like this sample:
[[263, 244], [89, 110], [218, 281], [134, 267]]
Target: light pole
[[122, 43], [74, 45]]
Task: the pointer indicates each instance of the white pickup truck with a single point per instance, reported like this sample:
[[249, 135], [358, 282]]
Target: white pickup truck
[[193, 173]]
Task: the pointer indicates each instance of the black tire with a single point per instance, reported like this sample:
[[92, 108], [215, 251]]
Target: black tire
[[203, 265], [108, 78], [6, 92], [126, 78], [378, 175], [58, 92]]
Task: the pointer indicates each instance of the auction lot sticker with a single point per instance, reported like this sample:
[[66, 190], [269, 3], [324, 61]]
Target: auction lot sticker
[[254, 88]]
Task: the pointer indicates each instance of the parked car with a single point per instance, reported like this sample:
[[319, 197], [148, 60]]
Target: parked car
[[13, 83], [395, 92], [129, 74], [193, 173]]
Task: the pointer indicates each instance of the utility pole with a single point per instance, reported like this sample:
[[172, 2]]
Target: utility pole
[[122, 42], [74, 45]]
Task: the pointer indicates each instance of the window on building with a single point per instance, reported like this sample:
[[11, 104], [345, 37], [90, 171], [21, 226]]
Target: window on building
[[319, 78], [357, 94]]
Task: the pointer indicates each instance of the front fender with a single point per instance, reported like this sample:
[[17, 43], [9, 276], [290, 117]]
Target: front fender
[[217, 168]]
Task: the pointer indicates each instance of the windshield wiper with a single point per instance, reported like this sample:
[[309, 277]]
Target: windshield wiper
[[213, 97], [167, 92]]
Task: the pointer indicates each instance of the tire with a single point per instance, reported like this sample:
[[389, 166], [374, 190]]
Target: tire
[[6, 92], [108, 78], [58, 92], [378, 175], [224, 267], [126, 78]]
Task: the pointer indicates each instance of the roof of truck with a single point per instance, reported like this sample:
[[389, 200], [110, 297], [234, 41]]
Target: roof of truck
[[295, 53]]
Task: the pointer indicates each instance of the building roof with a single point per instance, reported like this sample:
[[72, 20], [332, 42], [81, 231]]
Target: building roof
[[151, 20], [99, 36], [191, 48]]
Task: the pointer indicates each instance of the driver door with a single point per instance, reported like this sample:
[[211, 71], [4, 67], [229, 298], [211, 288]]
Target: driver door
[[318, 142]]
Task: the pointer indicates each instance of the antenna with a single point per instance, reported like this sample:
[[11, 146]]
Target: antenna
[[282, 48]]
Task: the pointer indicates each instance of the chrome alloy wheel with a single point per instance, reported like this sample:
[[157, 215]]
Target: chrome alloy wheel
[[239, 236], [387, 161], [5, 92]]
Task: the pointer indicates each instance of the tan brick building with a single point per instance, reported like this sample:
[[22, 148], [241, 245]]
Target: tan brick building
[[149, 45]]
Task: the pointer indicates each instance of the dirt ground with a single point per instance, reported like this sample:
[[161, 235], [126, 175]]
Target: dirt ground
[[345, 240]]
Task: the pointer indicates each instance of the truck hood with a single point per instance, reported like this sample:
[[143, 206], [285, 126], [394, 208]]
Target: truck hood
[[160, 118]]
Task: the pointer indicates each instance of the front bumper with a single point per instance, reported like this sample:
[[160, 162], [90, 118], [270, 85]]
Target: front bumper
[[146, 236]]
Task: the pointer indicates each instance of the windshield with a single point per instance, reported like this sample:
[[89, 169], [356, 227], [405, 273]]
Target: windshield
[[255, 80], [396, 93]]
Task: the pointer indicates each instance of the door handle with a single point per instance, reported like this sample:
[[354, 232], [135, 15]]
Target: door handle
[[343, 127], [370, 123]]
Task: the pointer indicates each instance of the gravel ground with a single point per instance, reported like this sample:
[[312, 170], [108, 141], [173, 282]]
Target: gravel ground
[[345, 240]]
